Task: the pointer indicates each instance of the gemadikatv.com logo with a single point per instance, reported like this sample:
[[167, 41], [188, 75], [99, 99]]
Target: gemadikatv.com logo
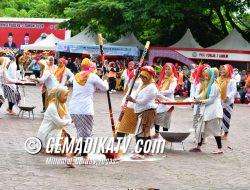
[[33, 145]]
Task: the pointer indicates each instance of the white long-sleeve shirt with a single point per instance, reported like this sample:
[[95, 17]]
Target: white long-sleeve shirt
[[67, 75], [49, 80], [81, 101], [145, 98], [52, 125], [213, 107], [137, 85], [11, 75], [169, 93], [197, 96], [231, 91]]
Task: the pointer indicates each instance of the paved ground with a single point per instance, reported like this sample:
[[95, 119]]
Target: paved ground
[[179, 170]]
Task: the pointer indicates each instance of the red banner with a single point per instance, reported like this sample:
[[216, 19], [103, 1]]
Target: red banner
[[13, 34]]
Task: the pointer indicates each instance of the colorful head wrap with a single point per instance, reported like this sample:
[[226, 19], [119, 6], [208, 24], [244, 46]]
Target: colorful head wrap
[[149, 73], [87, 64], [223, 81], [200, 70], [207, 89], [229, 70], [87, 67], [148, 69], [165, 81], [62, 60]]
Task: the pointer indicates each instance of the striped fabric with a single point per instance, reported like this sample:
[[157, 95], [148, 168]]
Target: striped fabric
[[163, 119], [12, 96], [197, 117], [1, 99], [144, 122], [84, 125], [227, 112]]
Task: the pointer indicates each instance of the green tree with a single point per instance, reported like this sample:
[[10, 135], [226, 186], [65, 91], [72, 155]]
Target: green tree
[[162, 21], [25, 8]]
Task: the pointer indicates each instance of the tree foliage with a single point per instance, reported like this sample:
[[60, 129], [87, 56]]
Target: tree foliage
[[25, 8], [163, 22]]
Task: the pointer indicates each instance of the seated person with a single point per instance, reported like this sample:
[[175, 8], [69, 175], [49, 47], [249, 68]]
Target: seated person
[[56, 117]]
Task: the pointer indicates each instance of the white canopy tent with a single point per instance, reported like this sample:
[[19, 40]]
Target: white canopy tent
[[85, 37], [128, 40], [187, 41], [234, 41], [43, 35], [49, 43]]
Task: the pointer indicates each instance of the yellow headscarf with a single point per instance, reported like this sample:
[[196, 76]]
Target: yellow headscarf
[[167, 79], [57, 96], [87, 67], [223, 82], [60, 70], [216, 73], [203, 87]]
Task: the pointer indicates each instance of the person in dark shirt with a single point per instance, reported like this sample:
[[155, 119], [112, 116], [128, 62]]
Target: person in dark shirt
[[26, 39], [71, 66], [10, 43]]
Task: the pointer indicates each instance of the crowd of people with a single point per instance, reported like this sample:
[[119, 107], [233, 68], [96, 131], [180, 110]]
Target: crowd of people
[[212, 92]]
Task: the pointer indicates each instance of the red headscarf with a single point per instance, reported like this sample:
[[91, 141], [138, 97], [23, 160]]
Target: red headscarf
[[130, 70], [230, 70], [199, 72], [163, 72]]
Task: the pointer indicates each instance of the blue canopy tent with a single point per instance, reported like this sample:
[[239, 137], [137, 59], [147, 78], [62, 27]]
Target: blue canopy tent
[[86, 42]]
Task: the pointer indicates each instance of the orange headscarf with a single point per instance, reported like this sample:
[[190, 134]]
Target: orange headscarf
[[60, 70], [87, 67]]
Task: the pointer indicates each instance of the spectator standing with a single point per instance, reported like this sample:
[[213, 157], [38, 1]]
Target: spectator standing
[[112, 76]]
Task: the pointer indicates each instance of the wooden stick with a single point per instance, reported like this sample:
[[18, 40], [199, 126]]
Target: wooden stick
[[136, 76], [100, 40]]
